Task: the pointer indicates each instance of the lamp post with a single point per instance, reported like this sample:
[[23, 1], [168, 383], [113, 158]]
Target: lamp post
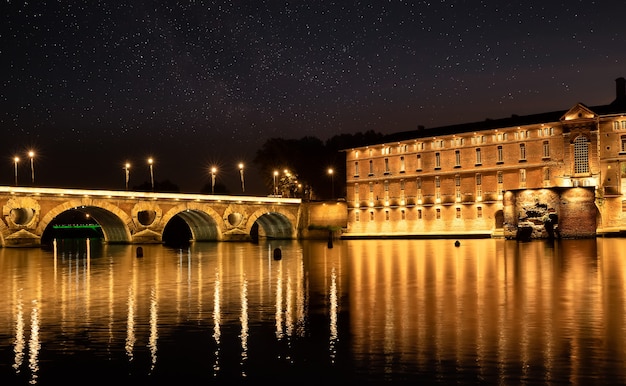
[[31, 154], [275, 175], [243, 186], [332, 184], [213, 171], [16, 160], [127, 173], [150, 162]]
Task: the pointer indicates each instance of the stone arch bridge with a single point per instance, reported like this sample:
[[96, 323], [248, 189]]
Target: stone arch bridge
[[141, 217]]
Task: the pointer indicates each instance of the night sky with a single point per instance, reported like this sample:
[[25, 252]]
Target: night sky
[[90, 85]]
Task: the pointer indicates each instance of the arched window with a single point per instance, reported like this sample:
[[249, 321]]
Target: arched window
[[581, 155]]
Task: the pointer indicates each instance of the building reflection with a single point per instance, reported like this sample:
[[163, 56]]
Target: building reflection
[[511, 303]]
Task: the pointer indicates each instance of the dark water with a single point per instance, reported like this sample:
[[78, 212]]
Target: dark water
[[371, 311]]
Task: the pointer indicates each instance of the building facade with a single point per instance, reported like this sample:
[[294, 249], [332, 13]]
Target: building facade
[[555, 174]]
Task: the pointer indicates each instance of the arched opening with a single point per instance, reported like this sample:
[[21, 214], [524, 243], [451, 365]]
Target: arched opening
[[86, 222], [499, 217], [188, 226], [271, 226]]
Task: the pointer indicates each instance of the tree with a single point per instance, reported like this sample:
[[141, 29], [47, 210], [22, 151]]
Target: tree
[[309, 159]]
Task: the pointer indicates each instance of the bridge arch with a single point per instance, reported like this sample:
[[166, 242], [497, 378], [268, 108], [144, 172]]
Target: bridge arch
[[112, 220], [276, 224], [202, 221]]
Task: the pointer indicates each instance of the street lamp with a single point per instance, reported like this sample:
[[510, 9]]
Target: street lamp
[[31, 154], [275, 175], [150, 162], [243, 187], [213, 171], [332, 184], [127, 172], [16, 160]]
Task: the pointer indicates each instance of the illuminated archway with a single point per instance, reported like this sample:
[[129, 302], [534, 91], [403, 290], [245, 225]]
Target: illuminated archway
[[111, 219]]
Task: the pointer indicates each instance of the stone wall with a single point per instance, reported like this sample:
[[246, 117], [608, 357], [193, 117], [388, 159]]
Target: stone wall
[[320, 218]]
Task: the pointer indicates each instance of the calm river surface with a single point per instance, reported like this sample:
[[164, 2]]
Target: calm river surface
[[490, 311]]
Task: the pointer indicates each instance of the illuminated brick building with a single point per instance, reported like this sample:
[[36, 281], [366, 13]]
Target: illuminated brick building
[[559, 173]]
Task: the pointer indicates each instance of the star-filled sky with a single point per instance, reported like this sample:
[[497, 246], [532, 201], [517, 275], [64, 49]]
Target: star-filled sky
[[90, 85]]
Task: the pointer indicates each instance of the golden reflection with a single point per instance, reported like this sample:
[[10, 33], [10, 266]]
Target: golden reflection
[[154, 323], [334, 333], [130, 315], [486, 304], [244, 317], [216, 321], [34, 345], [18, 348], [279, 302], [497, 308]]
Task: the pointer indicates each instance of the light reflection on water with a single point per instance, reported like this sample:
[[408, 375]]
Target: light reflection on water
[[489, 311]]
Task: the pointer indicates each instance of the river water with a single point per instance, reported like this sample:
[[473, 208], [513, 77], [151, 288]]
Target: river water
[[489, 311]]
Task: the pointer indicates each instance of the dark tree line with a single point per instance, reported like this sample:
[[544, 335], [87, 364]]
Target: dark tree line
[[307, 161]]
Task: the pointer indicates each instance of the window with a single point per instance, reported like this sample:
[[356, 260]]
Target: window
[[438, 211], [458, 212], [479, 212], [356, 194], [479, 157], [419, 214], [402, 185], [546, 174], [403, 214], [522, 178], [419, 183], [457, 158], [500, 177], [402, 164], [437, 182], [500, 154], [479, 185], [522, 152], [371, 168], [437, 160], [623, 148], [371, 216], [386, 215], [356, 169], [386, 165], [581, 155], [546, 149], [419, 162], [357, 215]]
